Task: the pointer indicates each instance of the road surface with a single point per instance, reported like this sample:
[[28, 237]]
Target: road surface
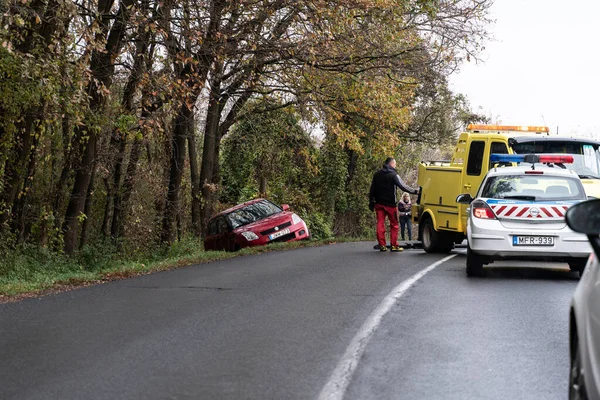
[[340, 321]]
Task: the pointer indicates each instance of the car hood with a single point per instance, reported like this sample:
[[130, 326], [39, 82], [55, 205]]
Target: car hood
[[266, 223]]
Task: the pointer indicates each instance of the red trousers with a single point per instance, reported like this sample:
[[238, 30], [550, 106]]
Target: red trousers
[[392, 213]]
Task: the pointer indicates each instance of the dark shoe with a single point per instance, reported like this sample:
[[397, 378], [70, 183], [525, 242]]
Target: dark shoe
[[397, 249], [382, 248]]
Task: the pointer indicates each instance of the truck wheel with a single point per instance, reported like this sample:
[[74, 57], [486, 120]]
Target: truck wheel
[[429, 236], [445, 242], [474, 263]]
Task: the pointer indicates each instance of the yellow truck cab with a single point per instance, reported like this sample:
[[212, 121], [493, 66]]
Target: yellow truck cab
[[442, 221]]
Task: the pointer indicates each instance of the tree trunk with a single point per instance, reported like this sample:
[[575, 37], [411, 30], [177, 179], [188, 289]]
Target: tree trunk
[[262, 187], [209, 159], [108, 213], [120, 147], [124, 195], [20, 206], [102, 68], [87, 211], [15, 169], [42, 34], [79, 194], [352, 164], [195, 178], [181, 128], [118, 139], [118, 223], [65, 174]]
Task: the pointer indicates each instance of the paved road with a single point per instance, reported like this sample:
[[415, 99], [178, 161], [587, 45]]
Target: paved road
[[277, 326]]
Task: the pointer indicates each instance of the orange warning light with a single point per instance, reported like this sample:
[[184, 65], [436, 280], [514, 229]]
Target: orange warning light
[[476, 127]]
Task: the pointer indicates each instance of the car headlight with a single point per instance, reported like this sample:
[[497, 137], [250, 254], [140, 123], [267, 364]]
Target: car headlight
[[250, 236], [296, 219]]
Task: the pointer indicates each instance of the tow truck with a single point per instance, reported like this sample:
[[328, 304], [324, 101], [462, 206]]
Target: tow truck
[[442, 221]]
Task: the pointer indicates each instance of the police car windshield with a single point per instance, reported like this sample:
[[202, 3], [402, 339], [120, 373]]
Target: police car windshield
[[533, 188]]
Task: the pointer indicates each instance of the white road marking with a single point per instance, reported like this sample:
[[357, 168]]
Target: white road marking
[[340, 379]]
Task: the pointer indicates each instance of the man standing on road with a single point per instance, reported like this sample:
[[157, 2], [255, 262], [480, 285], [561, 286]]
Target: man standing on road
[[382, 199]]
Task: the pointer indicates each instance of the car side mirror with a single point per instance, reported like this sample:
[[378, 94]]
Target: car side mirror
[[464, 198], [584, 218], [285, 207]]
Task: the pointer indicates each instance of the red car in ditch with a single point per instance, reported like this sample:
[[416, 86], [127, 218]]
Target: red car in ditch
[[253, 223]]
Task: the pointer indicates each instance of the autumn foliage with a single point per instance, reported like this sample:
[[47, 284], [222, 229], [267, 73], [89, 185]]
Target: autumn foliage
[[133, 121]]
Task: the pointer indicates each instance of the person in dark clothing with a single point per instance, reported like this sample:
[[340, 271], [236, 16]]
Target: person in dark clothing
[[404, 210], [382, 199]]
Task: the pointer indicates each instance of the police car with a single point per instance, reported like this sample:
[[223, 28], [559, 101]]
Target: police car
[[519, 213]]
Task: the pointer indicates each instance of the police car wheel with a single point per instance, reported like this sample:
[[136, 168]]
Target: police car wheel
[[474, 263]]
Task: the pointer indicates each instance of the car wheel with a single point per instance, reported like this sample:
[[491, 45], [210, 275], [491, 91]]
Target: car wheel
[[578, 266], [474, 263], [429, 236], [576, 383]]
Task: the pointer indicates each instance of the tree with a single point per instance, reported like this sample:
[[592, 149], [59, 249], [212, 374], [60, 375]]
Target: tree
[[268, 154], [110, 39]]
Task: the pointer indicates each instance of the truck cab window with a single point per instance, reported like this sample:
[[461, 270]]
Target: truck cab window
[[475, 158], [498, 148]]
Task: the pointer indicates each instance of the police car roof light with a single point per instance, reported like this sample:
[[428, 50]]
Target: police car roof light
[[556, 158], [532, 158], [496, 157]]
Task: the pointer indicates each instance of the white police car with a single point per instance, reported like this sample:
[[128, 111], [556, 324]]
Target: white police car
[[519, 213]]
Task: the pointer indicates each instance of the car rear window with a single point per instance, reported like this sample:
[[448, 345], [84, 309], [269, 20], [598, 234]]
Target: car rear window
[[533, 187], [252, 213]]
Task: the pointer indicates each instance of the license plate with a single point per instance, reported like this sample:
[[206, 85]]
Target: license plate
[[280, 233], [533, 240]]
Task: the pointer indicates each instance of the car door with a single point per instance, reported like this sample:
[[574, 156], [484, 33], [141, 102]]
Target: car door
[[473, 176], [209, 240], [593, 310], [222, 237]]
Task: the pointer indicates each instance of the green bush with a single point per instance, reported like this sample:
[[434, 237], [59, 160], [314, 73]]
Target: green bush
[[318, 225], [98, 255]]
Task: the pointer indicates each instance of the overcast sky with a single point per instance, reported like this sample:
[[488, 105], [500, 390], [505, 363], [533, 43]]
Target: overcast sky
[[541, 68]]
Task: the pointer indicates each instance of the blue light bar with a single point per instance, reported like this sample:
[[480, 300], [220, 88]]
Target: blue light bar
[[495, 157]]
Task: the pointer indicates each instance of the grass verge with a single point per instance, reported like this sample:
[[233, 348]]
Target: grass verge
[[33, 271]]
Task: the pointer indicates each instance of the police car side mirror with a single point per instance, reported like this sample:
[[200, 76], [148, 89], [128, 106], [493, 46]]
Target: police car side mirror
[[464, 198]]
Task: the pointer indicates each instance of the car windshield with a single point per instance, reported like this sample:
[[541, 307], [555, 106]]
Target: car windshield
[[586, 156], [252, 213], [533, 188]]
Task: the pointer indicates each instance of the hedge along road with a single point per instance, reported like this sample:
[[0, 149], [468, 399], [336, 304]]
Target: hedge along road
[[340, 321]]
